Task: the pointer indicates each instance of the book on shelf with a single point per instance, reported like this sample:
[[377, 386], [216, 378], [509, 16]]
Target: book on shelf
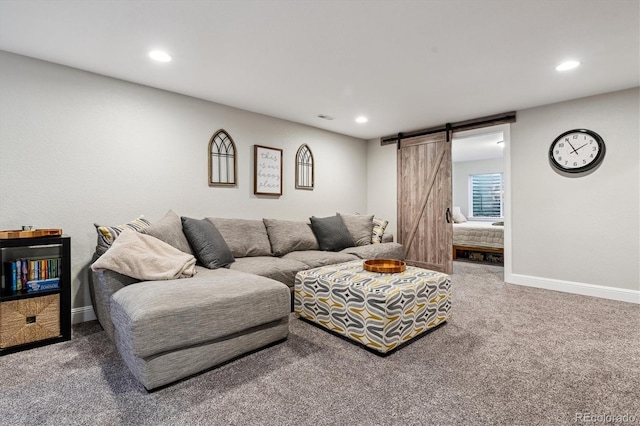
[[30, 274], [18, 279], [40, 285], [25, 271], [12, 275]]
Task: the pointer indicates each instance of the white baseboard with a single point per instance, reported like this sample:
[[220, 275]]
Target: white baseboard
[[612, 293], [82, 314]]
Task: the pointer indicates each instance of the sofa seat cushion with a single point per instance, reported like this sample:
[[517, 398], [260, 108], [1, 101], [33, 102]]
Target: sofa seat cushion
[[317, 258], [279, 269], [244, 237], [153, 317], [377, 251]]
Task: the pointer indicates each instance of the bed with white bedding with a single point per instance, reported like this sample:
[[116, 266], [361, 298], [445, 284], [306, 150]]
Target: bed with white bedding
[[478, 236]]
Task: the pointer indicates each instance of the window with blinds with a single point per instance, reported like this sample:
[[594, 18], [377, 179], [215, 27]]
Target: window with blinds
[[486, 193]]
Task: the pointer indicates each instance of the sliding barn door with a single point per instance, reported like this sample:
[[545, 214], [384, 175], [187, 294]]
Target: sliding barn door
[[424, 196]]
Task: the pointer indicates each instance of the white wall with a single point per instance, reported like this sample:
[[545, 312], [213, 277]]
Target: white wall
[[460, 179], [579, 235], [567, 231], [382, 183], [78, 148]]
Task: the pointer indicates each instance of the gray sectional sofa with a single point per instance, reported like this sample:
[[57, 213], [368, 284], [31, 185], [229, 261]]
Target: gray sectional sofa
[[169, 329]]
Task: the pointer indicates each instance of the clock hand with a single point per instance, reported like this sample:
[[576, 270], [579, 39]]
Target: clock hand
[[574, 150], [579, 147]]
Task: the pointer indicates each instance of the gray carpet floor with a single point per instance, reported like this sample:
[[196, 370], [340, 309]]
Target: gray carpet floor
[[509, 355]]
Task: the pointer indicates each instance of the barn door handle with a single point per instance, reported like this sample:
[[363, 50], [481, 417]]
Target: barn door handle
[[447, 214]]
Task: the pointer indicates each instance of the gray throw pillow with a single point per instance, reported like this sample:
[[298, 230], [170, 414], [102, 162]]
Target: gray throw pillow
[[169, 230], [207, 243], [359, 226], [245, 238], [331, 232], [286, 236]]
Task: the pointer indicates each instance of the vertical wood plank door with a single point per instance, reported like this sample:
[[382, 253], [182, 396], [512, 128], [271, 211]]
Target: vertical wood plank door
[[424, 195]]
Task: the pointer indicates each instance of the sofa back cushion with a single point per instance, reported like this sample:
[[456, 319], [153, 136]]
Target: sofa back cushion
[[359, 226], [245, 238], [287, 236], [169, 230]]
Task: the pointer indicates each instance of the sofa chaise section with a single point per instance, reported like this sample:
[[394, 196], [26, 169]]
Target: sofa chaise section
[[166, 331]]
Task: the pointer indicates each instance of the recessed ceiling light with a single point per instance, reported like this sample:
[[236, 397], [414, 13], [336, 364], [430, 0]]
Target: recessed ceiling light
[[567, 65], [160, 56], [362, 119]]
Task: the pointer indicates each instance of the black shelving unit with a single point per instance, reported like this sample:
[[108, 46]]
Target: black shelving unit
[[12, 324]]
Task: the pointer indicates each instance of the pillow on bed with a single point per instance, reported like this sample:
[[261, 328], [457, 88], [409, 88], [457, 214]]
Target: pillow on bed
[[458, 217]]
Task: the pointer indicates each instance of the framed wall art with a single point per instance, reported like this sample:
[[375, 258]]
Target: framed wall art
[[223, 163], [304, 168], [267, 173]]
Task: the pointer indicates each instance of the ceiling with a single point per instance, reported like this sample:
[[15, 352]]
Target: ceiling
[[406, 65]]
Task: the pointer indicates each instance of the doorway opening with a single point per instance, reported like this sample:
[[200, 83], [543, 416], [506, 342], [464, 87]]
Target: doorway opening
[[479, 178]]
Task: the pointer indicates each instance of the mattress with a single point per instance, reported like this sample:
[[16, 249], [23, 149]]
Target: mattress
[[478, 234]]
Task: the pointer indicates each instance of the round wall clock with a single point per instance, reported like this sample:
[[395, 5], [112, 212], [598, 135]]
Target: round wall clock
[[577, 151]]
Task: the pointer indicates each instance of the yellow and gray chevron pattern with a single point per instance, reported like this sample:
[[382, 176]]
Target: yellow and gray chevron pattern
[[380, 311]]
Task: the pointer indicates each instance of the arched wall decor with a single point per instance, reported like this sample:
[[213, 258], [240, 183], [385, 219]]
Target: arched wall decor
[[305, 177], [223, 162]]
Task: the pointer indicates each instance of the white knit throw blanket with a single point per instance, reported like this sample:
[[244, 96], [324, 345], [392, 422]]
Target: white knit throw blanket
[[146, 258]]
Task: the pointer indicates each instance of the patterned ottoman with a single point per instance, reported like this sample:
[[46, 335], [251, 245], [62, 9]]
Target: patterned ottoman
[[380, 311]]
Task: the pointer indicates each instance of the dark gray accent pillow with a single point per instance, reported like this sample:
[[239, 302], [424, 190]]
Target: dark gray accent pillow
[[207, 243], [331, 232]]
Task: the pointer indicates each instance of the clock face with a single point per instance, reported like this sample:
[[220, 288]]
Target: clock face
[[577, 151]]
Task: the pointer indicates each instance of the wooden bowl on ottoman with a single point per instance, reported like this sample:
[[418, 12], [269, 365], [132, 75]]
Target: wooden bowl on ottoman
[[385, 266]]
